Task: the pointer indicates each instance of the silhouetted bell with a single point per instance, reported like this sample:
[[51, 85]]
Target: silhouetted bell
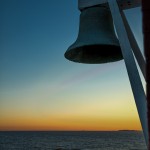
[[96, 42]]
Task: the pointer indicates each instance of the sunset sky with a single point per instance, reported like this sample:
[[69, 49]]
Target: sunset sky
[[41, 90]]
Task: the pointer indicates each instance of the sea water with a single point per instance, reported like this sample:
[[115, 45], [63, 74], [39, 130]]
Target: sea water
[[68, 140]]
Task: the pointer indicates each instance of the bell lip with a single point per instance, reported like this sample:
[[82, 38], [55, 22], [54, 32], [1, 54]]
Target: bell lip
[[72, 54]]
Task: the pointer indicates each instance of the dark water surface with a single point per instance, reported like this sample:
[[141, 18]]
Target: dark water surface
[[84, 140]]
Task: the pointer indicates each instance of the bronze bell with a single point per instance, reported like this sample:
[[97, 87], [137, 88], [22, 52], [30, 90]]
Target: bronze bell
[[96, 42]]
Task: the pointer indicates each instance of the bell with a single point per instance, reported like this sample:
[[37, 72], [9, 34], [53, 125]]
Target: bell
[[96, 42]]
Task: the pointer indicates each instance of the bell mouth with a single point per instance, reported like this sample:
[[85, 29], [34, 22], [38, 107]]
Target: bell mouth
[[94, 54]]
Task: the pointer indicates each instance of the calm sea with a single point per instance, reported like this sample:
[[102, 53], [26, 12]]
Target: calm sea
[[48, 140]]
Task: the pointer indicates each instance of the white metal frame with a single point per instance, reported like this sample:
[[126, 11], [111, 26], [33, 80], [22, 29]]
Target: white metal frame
[[128, 45], [123, 4]]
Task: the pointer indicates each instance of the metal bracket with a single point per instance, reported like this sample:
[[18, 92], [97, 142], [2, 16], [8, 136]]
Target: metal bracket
[[123, 4]]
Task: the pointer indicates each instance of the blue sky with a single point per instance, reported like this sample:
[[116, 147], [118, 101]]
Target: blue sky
[[37, 81], [34, 36]]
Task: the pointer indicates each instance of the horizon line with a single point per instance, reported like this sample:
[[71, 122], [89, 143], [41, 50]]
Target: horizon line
[[67, 130]]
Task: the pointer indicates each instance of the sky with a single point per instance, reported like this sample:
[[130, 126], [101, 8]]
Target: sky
[[41, 90]]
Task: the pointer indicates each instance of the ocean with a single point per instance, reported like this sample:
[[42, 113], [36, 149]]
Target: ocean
[[72, 140]]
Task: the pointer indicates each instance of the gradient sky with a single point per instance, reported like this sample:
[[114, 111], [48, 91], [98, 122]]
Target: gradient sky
[[41, 90]]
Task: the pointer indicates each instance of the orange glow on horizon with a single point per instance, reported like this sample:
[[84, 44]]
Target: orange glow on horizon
[[69, 124], [86, 115]]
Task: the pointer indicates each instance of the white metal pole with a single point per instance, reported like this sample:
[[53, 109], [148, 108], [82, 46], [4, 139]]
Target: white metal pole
[[135, 81]]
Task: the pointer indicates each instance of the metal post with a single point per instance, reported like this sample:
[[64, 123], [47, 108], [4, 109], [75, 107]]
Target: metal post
[[135, 81]]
